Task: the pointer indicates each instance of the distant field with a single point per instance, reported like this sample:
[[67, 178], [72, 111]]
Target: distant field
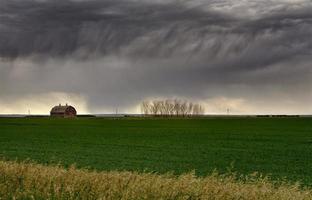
[[281, 147]]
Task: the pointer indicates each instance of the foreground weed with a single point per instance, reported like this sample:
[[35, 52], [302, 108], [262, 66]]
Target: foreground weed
[[33, 181]]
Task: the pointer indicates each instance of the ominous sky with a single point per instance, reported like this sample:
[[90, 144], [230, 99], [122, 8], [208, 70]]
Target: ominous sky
[[251, 56]]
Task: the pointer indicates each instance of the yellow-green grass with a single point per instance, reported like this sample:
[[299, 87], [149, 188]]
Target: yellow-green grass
[[280, 147], [33, 181]]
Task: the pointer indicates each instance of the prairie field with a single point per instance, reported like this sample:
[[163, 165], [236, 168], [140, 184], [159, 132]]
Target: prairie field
[[278, 147]]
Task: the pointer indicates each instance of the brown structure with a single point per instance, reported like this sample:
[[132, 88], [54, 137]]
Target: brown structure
[[66, 111]]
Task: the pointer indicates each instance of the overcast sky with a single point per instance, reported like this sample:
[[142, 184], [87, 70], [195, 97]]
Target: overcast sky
[[251, 56]]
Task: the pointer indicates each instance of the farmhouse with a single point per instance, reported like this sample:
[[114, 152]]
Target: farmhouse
[[65, 111]]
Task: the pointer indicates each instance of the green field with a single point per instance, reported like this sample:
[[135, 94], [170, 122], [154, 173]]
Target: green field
[[281, 147]]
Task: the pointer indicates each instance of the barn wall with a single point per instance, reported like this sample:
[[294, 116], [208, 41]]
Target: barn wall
[[70, 112], [57, 114]]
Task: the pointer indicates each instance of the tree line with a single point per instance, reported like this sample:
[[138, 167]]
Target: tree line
[[171, 107]]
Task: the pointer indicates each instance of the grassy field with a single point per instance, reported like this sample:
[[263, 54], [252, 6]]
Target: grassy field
[[281, 147], [23, 181]]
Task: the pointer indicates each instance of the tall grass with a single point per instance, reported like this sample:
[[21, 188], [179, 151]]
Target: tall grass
[[33, 181]]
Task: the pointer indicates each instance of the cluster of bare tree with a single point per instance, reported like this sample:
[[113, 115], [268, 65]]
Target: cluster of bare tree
[[169, 107]]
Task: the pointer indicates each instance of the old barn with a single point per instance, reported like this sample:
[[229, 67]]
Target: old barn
[[65, 111]]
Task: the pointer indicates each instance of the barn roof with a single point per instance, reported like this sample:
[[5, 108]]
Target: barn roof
[[59, 109]]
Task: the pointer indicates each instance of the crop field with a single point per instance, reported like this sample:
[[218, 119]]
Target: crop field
[[279, 147]]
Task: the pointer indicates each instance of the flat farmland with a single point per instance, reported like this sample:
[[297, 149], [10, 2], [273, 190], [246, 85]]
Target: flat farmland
[[280, 147]]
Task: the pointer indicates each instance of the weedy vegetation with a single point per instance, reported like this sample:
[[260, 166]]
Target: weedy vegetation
[[27, 180]]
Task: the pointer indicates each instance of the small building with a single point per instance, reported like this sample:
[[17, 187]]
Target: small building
[[65, 111]]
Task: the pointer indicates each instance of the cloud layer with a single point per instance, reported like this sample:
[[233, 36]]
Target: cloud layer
[[117, 53]]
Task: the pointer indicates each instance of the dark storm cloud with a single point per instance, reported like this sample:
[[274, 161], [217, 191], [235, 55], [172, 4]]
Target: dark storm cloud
[[61, 27], [123, 51]]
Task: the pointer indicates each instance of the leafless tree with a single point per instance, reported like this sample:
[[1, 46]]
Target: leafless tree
[[190, 108], [169, 107], [201, 110], [145, 107]]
